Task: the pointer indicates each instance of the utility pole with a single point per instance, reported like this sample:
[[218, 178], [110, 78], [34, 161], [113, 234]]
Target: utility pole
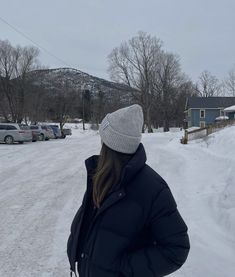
[[83, 106], [83, 110]]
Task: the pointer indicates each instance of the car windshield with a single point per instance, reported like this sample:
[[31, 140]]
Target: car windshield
[[33, 127]]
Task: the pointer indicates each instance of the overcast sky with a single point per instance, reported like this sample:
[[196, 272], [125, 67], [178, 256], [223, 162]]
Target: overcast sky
[[83, 33]]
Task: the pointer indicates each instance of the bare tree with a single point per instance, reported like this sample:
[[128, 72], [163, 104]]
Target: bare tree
[[168, 78], [185, 90], [27, 62], [15, 63], [98, 108], [208, 85], [7, 61], [133, 63], [229, 82], [3, 103], [37, 99]]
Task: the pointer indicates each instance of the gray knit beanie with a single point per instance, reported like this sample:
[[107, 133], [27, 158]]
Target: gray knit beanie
[[122, 129]]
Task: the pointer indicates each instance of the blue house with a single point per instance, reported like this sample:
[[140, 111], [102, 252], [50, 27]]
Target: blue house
[[200, 111]]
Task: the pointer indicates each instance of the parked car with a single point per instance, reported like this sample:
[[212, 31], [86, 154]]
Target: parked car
[[56, 131], [48, 130], [35, 133], [45, 133], [14, 132], [66, 132]]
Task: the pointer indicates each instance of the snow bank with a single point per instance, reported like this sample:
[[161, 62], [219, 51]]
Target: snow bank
[[222, 146]]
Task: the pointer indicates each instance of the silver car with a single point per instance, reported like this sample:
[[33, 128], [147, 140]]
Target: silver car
[[14, 132], [45, 132], [48, 130]]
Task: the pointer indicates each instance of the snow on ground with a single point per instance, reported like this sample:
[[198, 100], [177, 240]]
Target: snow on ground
[[42, 185]]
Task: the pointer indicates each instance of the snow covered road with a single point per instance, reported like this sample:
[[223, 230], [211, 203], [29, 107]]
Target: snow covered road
[[42, 185]]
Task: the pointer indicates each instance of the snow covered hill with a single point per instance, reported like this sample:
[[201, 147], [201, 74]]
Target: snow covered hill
[[42, 185], [76, 80]]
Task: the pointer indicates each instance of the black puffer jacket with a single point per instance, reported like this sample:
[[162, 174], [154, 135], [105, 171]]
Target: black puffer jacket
[[138, 230]]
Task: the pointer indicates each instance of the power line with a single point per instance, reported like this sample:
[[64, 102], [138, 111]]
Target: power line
[[35, 43], [41, 47]]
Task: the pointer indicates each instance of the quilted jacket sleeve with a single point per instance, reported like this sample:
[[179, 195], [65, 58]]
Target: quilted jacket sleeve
[[170, 243]]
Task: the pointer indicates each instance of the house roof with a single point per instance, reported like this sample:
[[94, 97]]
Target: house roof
[[209, 102], [230, 109]]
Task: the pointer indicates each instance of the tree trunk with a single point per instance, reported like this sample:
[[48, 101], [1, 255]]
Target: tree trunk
[[148, 119], [166, 127]]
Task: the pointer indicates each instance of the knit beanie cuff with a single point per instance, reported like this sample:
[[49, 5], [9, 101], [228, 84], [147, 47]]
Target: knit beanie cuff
[[119, 142]]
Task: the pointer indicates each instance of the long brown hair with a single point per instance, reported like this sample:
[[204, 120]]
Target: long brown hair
[[108, 172]]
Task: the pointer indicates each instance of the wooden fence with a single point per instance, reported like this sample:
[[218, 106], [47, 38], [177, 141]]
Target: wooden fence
[[203, 132]]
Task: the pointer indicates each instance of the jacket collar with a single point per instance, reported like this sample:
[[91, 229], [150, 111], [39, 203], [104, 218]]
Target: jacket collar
[[130, 169]]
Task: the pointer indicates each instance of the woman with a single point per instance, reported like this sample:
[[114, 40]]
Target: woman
[[128, 223]]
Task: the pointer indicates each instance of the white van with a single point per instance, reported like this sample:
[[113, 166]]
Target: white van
[[14, 132]]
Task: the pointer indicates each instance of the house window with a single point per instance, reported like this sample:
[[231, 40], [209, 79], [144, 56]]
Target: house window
[[202, 124], [202, 113], [189, 112]]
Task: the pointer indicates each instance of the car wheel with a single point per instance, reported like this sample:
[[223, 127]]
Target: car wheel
[[41, 137], [9, 140], [21, 142]]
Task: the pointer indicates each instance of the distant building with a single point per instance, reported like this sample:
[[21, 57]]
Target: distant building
[[200, 111]]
